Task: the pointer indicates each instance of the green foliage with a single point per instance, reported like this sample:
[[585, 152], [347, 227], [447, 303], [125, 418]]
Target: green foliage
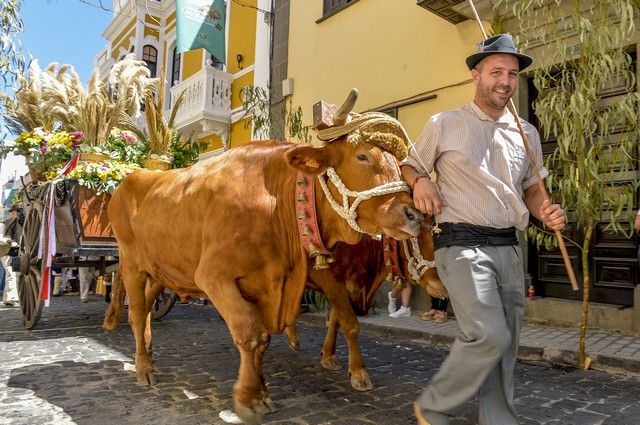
[[186, 152], [257, 107], [124, 146], [587, 102], [11, 58], [541, 237], [315, 298]]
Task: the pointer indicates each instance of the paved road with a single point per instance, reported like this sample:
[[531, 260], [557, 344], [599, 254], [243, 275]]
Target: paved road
[[71, 371]]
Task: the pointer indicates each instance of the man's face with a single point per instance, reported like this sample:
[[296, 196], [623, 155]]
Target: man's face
[[496, 79]]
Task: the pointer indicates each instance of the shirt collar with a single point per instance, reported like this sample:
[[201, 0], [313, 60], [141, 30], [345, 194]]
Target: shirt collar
[[506, 118]]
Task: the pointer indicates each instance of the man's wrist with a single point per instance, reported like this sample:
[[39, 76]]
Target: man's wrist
[[416, 179]]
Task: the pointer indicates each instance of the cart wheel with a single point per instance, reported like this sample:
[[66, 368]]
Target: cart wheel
[[164, 303], [30, 277]]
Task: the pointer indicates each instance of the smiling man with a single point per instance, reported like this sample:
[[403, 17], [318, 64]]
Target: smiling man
[[484, 192]]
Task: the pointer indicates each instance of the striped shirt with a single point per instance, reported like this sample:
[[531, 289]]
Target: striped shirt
[[481, 165]]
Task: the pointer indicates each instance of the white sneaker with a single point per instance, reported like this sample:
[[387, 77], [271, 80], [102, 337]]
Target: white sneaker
[[402, 312], [392, 304]]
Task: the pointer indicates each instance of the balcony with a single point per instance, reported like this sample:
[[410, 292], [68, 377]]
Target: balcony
[[457, 11], [206, 107]]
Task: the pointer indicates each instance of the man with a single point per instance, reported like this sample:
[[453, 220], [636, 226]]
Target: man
[[485, 190], [12, 228]]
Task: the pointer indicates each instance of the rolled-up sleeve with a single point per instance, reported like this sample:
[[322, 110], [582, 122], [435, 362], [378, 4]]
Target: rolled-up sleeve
[[536, 147], [423, 153]]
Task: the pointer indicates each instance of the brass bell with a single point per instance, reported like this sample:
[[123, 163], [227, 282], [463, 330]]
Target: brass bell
[[321, 262], [313, 250], [307, 231], [302, 182], [389, 276], [302, 198], [303, 215]]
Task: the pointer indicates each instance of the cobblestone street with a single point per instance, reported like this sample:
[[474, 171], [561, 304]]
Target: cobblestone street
[[71, 371]]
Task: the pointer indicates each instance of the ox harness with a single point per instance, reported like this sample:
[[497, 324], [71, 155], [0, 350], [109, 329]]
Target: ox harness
[[309, 230]]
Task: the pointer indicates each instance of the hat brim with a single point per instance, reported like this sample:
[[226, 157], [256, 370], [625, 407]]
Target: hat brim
[[523, 60]]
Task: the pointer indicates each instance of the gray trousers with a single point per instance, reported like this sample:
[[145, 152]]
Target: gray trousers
[[486, 289]]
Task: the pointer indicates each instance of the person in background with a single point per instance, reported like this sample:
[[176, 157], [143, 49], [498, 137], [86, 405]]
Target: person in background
[[438, 312], [85, 278], [12, 232], [404, 290]]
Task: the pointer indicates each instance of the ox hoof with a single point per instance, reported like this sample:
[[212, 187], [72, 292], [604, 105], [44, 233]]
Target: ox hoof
[[292, 337], [360, 381], [253, 415], [146, 379], [330, 363]]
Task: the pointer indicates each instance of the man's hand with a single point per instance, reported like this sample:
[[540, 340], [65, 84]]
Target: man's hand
[[636, 223], [552, 215], [427, 198]]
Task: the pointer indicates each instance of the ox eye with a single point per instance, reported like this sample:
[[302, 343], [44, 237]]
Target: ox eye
[[363, 157]]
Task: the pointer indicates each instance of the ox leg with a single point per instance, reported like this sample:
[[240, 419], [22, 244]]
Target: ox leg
[[348, 321], [328, 359], [151, 292], [139, 318], [251, 398], [257, 363]]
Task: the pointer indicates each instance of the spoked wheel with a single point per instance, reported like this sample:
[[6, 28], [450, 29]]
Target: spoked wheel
[[30, 277], [164, 303]]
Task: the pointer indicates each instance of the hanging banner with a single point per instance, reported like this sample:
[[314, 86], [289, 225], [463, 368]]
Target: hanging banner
[[200, 24]]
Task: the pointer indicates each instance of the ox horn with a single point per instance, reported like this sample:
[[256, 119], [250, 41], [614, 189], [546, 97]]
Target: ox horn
[[342, 114]]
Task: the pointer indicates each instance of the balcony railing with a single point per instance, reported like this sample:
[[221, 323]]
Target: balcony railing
[[207, 99]]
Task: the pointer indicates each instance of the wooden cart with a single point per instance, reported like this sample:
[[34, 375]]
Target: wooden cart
[[84, 238]]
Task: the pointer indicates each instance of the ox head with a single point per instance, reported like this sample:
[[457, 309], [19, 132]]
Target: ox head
[[359, 174]]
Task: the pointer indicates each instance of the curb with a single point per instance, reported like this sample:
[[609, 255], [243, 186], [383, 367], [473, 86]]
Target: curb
[[553, 356]]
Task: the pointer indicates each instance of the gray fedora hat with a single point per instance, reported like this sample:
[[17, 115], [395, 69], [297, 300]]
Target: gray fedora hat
[[501, 43]]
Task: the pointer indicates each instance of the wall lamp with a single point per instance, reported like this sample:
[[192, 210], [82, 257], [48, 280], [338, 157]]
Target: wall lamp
[[239, 59]]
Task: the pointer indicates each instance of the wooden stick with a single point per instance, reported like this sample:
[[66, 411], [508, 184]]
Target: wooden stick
[[534, 165]]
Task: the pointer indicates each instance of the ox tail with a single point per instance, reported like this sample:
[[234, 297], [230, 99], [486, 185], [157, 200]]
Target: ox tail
[[116, 306]]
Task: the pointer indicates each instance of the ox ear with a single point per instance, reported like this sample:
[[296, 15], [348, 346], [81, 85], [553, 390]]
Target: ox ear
[[308, 159]]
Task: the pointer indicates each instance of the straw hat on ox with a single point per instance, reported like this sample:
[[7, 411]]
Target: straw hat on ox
[[501, 43], [370, 127]]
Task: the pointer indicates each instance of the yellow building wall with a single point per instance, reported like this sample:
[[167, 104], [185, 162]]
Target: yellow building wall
[[192, 63], [236, 89], [171, 22], [152, 19], [214, 141], [240, 133], [152, 32], [388, 60], [242, 34], [414, 117], [122, 39]]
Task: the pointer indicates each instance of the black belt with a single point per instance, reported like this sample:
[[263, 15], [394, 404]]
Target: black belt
[[471, 235]]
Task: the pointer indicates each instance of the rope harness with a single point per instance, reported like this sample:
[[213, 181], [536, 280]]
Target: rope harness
[[416, 263], [346, 211]]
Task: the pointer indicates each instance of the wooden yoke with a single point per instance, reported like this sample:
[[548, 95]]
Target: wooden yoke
[[323, 114]]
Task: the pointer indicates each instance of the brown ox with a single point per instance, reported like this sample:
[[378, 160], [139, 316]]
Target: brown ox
[[350, 285], [226, 228]]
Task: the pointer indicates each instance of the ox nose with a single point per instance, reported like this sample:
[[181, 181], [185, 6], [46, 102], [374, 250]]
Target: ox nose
[[413, 214]]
